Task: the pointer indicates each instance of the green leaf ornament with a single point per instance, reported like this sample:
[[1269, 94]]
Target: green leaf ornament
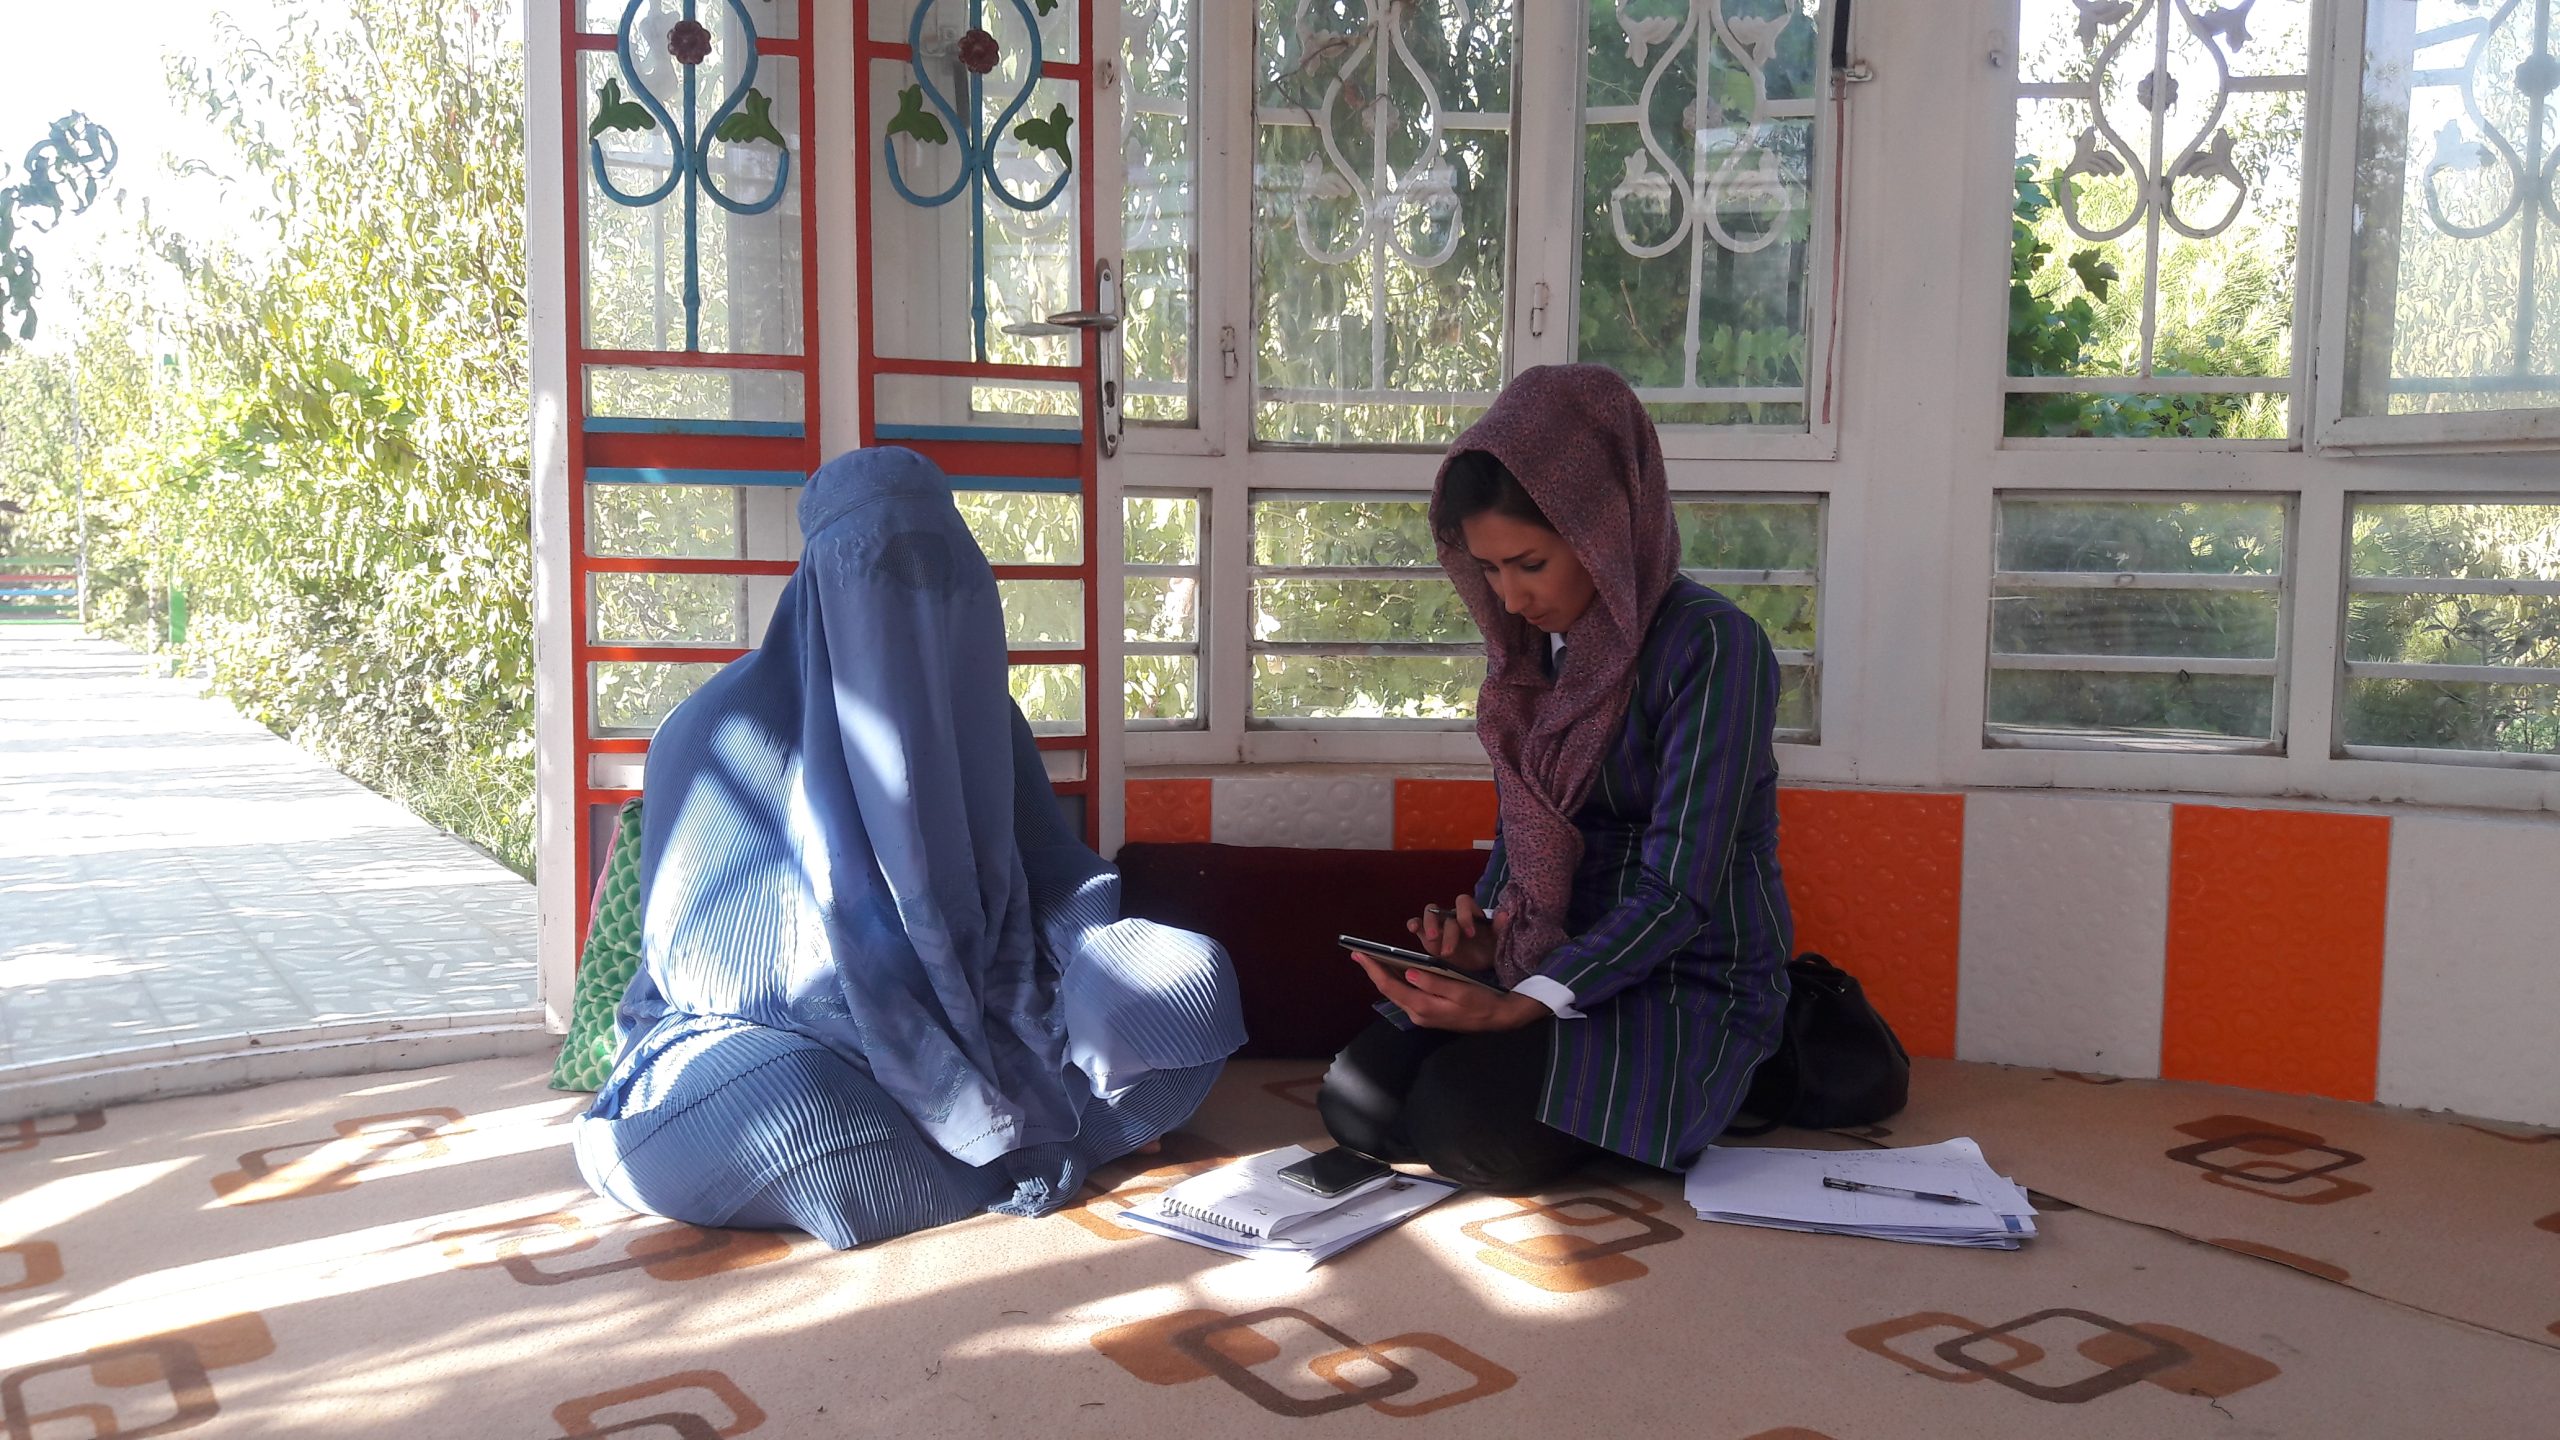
[[913, 119], [615, 113], [1049, 134]]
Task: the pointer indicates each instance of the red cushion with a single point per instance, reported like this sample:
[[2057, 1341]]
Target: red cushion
[[1277, 911]]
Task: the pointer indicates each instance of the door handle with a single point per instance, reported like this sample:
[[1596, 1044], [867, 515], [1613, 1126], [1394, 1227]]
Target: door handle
[[1086, 319]]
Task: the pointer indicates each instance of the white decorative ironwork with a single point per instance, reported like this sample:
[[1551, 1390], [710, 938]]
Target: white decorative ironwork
[[1701, 189], [2529, 172], [1356, 70], [2206, 152]]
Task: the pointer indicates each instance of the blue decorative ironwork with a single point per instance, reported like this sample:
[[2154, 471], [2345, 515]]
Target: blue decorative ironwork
[[976, 136], [742, 117]]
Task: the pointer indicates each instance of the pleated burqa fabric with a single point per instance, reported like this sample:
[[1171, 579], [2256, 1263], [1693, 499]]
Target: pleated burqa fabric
[[882, 984]]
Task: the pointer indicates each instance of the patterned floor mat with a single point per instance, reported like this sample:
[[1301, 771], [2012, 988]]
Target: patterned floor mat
[[413, 1254]]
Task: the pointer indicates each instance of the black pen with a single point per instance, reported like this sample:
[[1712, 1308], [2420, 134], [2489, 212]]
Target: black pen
[[1834, 1182]]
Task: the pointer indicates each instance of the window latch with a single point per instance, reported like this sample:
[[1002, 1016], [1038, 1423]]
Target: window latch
[[1228, 362], [1538, 308]]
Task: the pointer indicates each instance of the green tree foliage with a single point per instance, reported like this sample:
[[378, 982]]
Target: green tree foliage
[[2069, 316], [64, 174], [332, 461]]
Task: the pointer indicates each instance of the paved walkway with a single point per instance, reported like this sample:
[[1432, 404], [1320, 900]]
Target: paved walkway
[[173, 876]]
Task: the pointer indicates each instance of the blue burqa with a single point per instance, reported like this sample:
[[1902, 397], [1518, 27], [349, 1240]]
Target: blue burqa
[[873, 954]]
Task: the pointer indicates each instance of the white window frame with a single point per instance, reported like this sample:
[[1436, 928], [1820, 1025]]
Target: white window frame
[[1550, 283], [1217, 459], [1980, 464], [2297, 389], [2333, 429], [1814, 580], [1203, 606]]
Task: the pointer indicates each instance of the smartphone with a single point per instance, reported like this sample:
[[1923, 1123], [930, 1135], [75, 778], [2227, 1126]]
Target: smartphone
[[1332, 1172], [1416, 960]]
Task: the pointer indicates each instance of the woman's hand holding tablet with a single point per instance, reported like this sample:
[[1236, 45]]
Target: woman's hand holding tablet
[[1416, 960], [1436, 990]]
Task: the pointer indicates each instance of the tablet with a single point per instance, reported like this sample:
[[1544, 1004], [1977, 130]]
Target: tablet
[[1416, 960]]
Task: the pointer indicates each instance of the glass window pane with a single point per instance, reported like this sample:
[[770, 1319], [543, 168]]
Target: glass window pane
[[1799, 702], [1159, 110], [1359, 619], [1162, 687], [1786, 612], [777, 20], [666, 266], [2186, 595], [2454, 270], [1367, 687], [684, 401], [1162, 610], [1343, 532], [1381, 215], [1783, 540], [972, 249], [633, 696], [668, 609], [1017, 527], [1043, 614], [2200, 537], [1746, 535], [2186, 623], [2029, 703], [2447, 603], [2156, 217], [2455, 629], [1051, 697], [2458, 541], [1160, 530], [2448, 715], [1423, 610], [683, 522], [1162, 690], [1697, 206]]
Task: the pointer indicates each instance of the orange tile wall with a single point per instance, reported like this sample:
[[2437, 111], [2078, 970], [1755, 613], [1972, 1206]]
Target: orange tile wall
[[1876, 879], [2274, 975]]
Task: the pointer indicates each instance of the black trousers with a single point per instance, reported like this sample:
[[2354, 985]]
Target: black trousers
[[1466, 1105]]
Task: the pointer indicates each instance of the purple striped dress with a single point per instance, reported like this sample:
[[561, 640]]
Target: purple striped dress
[[1679, 931]]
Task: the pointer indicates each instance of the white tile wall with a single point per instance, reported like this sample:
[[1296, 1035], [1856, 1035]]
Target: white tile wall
[[2065, 932], [2471, 968]]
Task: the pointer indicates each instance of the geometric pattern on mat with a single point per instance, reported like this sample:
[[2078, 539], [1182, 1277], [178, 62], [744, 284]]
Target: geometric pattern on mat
[[2419, 1207], [1259, 1354], [2260, 1157], [412, 1253], [29, 1133], [689, 1405], [2064, 1355], [165, 1382]]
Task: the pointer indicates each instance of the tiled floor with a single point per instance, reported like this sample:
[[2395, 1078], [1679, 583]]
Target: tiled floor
[[171, 873]]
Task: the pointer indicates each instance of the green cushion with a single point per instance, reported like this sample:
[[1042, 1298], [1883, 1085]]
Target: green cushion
[[605, 970]]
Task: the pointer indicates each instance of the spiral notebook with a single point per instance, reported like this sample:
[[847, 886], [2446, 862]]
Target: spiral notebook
[[1246, 1209]]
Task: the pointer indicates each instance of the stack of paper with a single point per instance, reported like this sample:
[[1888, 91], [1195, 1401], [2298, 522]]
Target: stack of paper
[[1786, 1190], [1245, 1209]]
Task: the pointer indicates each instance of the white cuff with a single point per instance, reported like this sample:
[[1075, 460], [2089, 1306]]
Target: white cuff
[[1550, 994]]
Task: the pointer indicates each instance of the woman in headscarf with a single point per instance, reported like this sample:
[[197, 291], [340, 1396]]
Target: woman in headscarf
[[1632, 903], [882, 986]]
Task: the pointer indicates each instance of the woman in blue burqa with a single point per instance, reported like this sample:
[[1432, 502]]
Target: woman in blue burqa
[[882, 985]]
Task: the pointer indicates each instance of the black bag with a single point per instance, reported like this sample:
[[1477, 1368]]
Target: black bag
[[1837, 1063]]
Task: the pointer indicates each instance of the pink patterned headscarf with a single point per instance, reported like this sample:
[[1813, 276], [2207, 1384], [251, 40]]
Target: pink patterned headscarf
[[1581, 444]]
